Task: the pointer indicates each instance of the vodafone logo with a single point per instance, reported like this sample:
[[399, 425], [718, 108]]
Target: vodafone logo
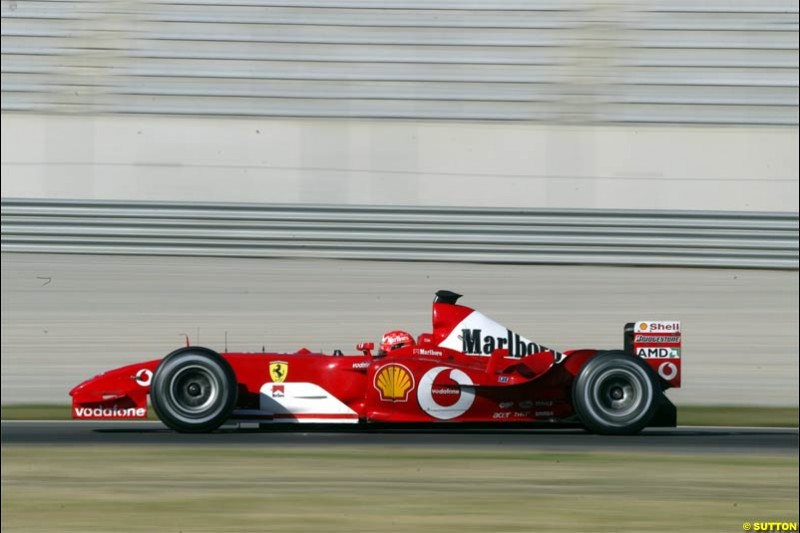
[[109, 412], [445, 393], [667, 370], [143, 377]]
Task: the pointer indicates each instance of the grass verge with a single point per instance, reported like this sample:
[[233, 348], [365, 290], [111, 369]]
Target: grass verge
[[690, 415], [152, 488], [698, 415]]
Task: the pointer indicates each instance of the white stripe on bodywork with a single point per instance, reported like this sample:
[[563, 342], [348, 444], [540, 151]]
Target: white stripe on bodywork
[[489, 328], [474, 320], [301, 402]]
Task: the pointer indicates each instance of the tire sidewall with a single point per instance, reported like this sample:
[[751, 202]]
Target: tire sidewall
[[167, 408], [585, 386]]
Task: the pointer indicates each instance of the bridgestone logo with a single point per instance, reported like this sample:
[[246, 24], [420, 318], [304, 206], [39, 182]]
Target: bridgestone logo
[[657, 339], [474, 343], [110, 412]]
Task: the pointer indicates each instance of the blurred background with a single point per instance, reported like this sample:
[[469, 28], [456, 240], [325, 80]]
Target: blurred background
[[236, 168]]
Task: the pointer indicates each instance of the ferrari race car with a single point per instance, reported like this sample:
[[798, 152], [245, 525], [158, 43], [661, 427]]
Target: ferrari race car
[[469, 370]]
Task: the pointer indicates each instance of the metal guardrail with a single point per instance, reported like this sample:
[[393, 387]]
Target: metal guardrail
[[529, 236]]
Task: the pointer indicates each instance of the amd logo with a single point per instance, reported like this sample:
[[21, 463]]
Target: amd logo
[[473, 343], [658, 353]]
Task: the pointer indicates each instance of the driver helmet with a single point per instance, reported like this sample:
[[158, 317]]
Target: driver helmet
[[392, 340]]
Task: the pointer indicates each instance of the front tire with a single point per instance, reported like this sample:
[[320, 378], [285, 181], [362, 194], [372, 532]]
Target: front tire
[[615, 394], [194, 390]]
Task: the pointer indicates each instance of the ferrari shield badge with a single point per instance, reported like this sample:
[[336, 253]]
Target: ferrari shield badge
[[278, 371]]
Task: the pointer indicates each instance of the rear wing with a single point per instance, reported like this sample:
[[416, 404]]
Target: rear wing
[[658, 343]]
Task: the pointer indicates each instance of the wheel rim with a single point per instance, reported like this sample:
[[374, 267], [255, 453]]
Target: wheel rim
[[618, 393], [193, 389]]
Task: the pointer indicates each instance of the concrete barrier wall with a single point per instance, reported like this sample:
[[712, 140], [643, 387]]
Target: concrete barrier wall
[[394, 162]]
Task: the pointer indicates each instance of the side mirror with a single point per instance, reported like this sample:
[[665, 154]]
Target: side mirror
[[365, 347]]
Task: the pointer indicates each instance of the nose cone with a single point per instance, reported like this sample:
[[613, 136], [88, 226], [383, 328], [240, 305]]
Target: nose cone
[[130, 380], [87, 385], [117, 394]]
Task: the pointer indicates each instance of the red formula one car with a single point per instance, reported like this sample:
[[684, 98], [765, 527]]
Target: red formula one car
[[469, 370]]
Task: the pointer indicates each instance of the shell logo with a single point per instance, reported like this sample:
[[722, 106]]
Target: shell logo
[[643, 326], [394, 383]]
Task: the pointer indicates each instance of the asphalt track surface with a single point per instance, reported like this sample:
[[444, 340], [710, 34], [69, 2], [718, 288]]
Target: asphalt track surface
[[762, 441]]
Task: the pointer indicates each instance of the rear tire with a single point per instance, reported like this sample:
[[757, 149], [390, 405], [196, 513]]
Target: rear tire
[[194, 390], [615, 394]]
